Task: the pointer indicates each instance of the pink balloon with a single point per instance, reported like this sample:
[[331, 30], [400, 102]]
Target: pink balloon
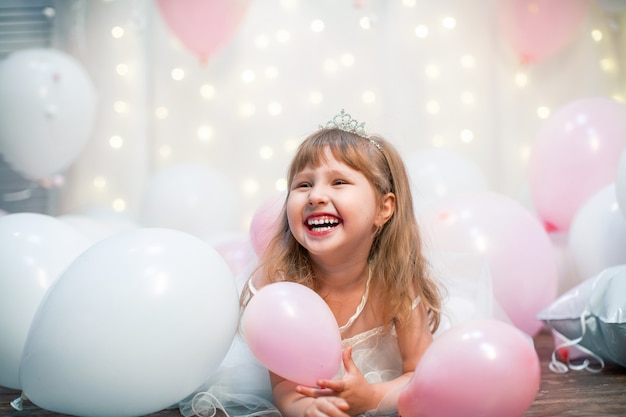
[[483, 368], [536, 29], [293, 333], [620, 183], [574, 155], [517, 249], [203, 26], [265, 221], [236, 250]]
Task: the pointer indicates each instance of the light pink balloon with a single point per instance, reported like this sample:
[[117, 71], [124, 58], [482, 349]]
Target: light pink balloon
[[518, 250], [575, 153], [293, 333], [537, 29], [481, 368], [203, 26], [265, 221], [236, 250], [620, 184]]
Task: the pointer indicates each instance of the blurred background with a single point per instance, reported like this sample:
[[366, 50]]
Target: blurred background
[[185, 113], [121, 120]]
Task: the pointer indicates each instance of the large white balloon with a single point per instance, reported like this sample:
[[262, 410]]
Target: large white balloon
[[439, 173], [134, 325], [190, 197], [36, 249], [620, 184], [597, 237], [48, 107]]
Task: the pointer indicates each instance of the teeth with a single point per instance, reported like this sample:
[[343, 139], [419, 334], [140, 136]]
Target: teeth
[[324, 221]]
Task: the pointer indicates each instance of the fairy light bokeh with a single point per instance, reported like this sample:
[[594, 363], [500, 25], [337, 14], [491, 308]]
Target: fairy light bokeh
[[423, 74]]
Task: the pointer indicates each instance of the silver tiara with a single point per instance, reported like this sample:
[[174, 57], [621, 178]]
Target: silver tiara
[[343, 121], [346, 123]]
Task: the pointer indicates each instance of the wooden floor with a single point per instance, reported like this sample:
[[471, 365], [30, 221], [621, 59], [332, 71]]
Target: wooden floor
[[580, 393]]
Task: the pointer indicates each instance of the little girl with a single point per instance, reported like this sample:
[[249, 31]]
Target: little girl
[[348, 231]]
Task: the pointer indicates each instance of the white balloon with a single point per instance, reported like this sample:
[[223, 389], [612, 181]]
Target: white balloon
[[192, 198], [597, 236], [36, 249], [48, 107], [134, 325], [439, 173], [620, 184]]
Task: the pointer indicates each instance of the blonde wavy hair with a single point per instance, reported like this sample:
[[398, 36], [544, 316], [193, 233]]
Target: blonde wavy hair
[[398, 268]]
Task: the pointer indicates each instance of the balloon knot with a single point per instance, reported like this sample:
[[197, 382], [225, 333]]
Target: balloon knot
[[549, 227]]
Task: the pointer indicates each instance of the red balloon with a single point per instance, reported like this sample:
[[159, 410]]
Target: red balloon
[[483, 368], [203, 26]]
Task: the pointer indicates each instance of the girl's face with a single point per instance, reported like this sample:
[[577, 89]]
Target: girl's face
[[333, 210]]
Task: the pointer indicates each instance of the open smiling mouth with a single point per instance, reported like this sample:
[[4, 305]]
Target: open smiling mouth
[[322, 224]]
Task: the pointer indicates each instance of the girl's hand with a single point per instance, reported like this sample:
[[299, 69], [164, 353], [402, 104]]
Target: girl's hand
[[327, 407], [353, 388]]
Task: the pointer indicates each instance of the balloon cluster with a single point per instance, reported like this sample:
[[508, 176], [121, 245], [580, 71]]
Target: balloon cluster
[[128, 325]]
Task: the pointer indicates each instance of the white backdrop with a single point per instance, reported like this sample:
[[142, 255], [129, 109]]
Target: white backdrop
[[426, 75]]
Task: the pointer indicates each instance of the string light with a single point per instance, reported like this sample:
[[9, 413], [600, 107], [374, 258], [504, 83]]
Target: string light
[[608, 66], [99, 182], [117, 32], [205, 133], [177, 74], [317, 26], [207, 91], [120, 106], [596, 35], [467, 98], [365, 23], [433, 107], [165, 151], [262, 41], [266, 152], [116, 141], [119, 205], [316, 97], [448, 22], [247, 109], [368, 97], [274, 108], [347, 60], [467, 136], [521, 79], [248, 76], [161, 112], [468, 61], [121, 69], [543, 112], [340, 66], [281, 184], [250, 186], [421, 31], [432, 71]]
